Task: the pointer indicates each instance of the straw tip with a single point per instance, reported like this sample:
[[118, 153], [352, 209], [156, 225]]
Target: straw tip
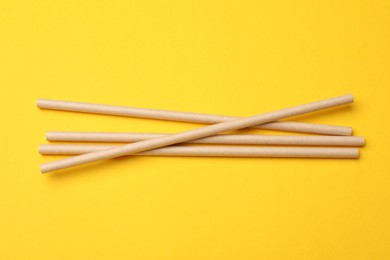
[[39, 102], [363, 141], [343, 131], [349, 131], [44, 169], [357, 153], [41, 149]]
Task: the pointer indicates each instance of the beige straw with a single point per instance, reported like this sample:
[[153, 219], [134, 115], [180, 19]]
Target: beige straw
[[186, 117], [195, 134], [217, 139], [212, 151]]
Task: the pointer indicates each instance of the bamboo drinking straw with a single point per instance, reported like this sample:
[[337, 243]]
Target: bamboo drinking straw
[[195, 134], [214, 151], [186, 116], [217, 139]]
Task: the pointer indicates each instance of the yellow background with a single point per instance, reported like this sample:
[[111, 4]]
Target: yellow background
[[224, 57]]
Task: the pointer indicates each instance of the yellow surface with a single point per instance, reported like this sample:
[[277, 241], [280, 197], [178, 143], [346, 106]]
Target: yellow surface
[[225, 57]]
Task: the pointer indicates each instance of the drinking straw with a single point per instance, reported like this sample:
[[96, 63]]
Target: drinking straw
[[213, 151], [186, 116], [195, 133], [246, 139]]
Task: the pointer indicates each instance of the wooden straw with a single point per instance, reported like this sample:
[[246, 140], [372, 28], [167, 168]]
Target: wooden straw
[[194, 134], [212, 151], [186, 117], [217, 139]]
